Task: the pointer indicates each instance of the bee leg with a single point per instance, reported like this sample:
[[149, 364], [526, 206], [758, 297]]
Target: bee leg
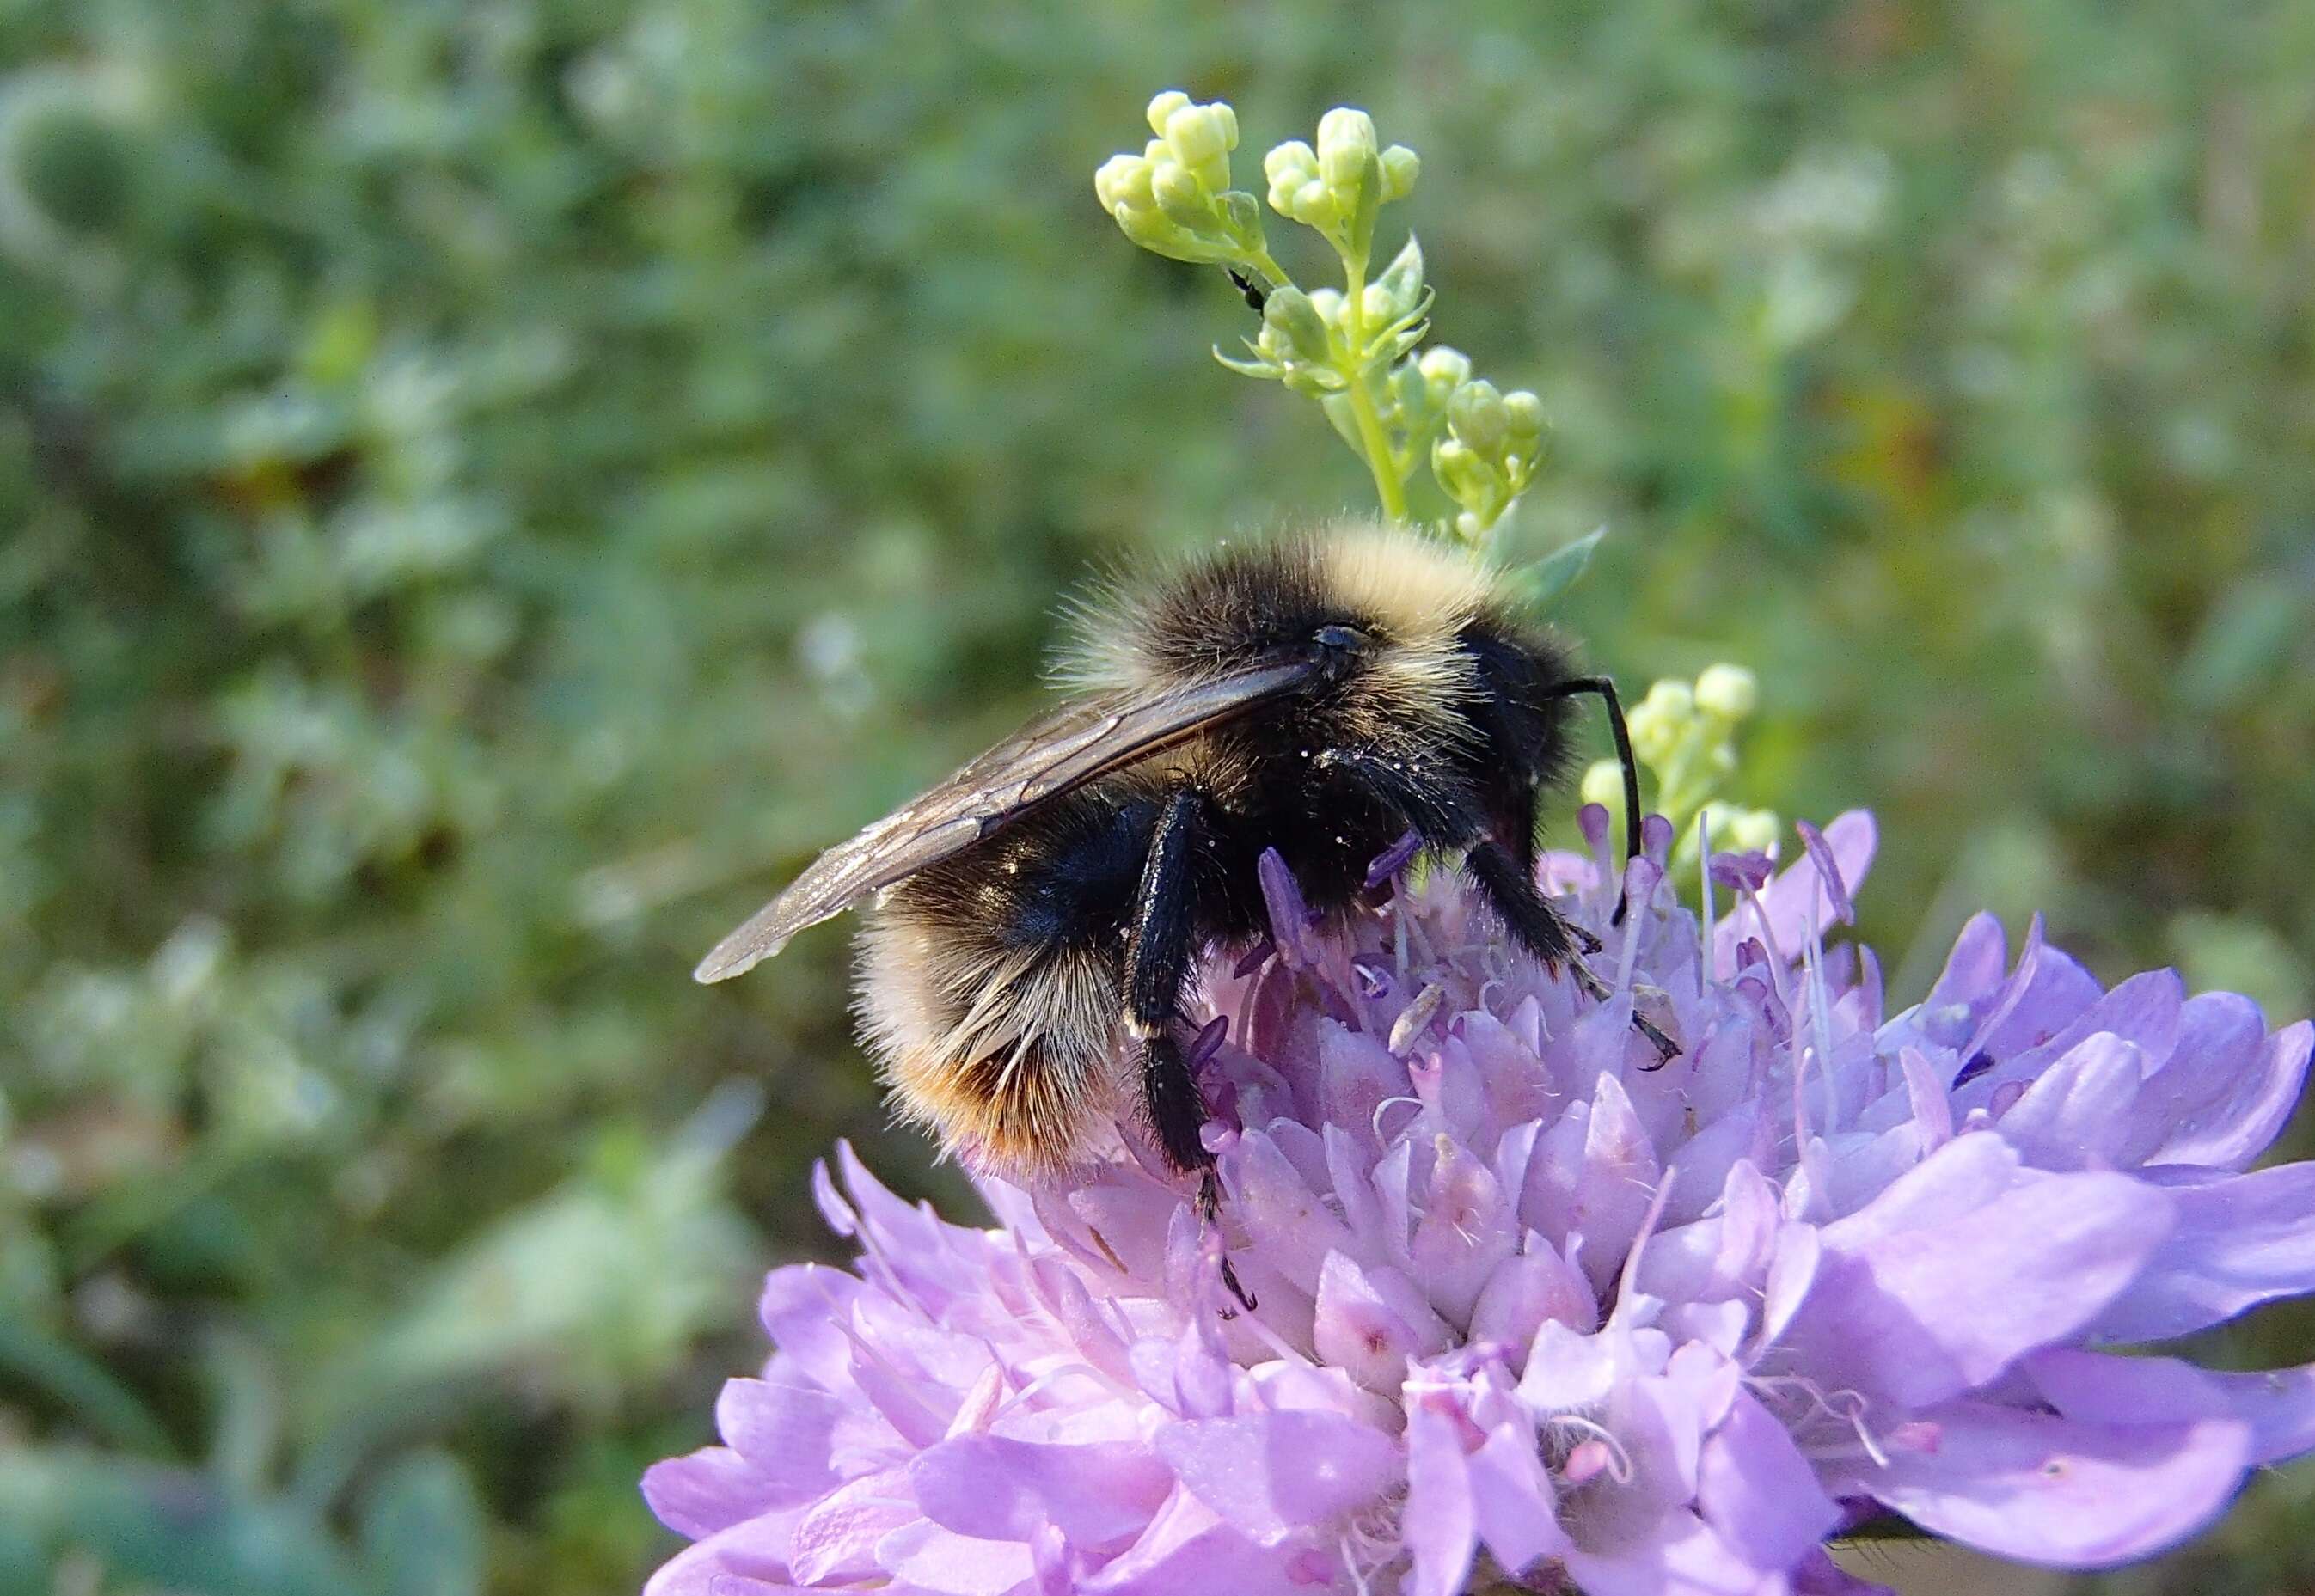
[[1158, 949], [1540, 929], [1449, 817], [1604, 688]]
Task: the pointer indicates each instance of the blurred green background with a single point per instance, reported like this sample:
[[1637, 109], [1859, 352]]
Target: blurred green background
[[487, 487]]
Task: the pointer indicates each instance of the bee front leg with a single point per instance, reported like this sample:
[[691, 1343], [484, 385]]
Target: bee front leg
[[1604, 688], [1540, 928], [1449, 817]]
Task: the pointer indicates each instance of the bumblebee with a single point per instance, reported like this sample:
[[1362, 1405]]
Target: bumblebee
[[1322, 693]]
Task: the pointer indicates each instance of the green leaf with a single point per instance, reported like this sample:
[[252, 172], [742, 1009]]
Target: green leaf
[[1550, 577], [83, 1386], [422, 1527], [172, 1528]]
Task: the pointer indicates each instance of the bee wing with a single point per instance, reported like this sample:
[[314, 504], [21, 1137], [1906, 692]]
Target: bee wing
[[1043, 760]]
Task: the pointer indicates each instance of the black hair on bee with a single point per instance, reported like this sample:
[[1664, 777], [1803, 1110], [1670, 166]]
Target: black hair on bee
[[1321, 693]]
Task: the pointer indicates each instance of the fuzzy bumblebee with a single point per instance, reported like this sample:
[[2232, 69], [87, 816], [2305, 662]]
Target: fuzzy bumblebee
[[1324, 694]]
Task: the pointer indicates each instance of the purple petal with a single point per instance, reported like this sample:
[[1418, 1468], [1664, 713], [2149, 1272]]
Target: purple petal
[[2241, 1240], [1512, 1499], [1567, 1370], [749, 1559], [2278, 1405], [1355, 1074], [1466, 1233], [1746, 871], [1679, 1555], [836, 1538], [1188, 1549], [1290, 919], [1292, 1229], [1753, 1486], [1973, 970], [1440, 1523], [1269, 1473], [1919, 1314], [2012, 995], [1536, 1287], [1099, 1494], [2078, 1115], [1794, 903], [2059, 1492], [804, 1308], [1727, 1254], [2145, 1009], [1828, 872], [1368, 1328], [925, 1557], [1932, 1110], [784, 1432], [711, 1489], [2227, 1096], [1393, 859]]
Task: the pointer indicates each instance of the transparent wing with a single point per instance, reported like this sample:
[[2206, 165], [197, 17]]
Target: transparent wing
[[1043, 760]]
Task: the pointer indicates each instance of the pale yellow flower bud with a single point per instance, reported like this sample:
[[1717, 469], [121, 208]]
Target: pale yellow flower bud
[[1477, 415], [1603, 783], [1727, 692], [1291, 164], [1199, 133], [1444, 370], [1123, 181], [1346, 144], [1523, 414], [1746, 830], [1400, 167], [1180, 195], [1164, 106]]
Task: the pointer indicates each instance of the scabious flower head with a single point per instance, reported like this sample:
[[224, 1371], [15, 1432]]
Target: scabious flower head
[[1531, 1314]]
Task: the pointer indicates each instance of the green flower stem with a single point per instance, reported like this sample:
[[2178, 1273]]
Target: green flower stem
[[1389, 485], [1261, 261]]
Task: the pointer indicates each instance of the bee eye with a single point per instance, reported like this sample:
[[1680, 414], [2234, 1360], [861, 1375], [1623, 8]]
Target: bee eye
[[1343, 640]]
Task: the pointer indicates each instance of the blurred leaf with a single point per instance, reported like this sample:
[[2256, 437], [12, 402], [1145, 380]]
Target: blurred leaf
[[1542, 583], [171, 1527], [80, 1385], [2246, 640], [422, 1528]]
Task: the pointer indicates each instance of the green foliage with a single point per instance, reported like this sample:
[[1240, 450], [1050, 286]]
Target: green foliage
[[487, 490]]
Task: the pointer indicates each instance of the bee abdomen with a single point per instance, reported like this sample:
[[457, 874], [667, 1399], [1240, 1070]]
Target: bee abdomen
[[998, 1043]]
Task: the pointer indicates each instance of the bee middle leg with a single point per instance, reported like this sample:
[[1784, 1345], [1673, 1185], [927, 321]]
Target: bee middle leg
[[1158, 946], [1156, 962]]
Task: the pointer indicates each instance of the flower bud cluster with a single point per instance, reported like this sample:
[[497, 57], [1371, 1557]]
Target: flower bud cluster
[[1684, 735], [1336, 187], [1174, 198], [1492, 445], [1357, 350]]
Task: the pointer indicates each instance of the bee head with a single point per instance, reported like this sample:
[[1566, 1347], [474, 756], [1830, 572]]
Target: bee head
[[1340, 648]]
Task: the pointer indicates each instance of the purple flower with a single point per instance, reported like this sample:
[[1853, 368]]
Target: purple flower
[[1532, 1314]]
